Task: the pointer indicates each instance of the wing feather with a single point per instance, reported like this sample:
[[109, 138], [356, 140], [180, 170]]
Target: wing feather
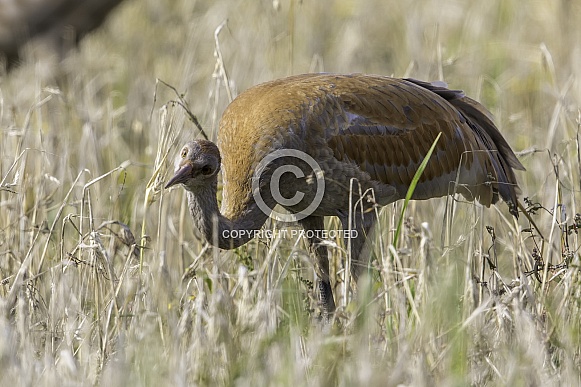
[[392, 123]]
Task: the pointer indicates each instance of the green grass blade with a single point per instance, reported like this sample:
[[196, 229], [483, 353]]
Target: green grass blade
[[412, 188]]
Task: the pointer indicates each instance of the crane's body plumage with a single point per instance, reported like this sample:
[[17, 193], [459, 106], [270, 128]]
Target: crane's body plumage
[[373, 128], [367, 133]]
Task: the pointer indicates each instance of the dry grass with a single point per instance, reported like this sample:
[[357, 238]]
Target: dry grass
[[103, 280]]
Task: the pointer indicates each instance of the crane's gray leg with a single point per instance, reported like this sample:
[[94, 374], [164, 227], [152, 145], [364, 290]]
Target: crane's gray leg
[[361, 227], [324, 290]]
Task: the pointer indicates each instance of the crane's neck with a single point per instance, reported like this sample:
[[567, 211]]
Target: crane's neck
[[217, 229]]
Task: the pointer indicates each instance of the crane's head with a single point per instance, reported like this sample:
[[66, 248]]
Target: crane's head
[[196, 165]]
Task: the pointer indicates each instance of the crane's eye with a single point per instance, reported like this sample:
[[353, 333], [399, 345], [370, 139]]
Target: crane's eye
[[184, 153], [206, 170]]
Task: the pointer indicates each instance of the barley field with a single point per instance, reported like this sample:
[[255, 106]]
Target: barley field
[[104, 281]]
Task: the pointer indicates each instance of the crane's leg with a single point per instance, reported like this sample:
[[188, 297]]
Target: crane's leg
[[315, 224], [359, 230]]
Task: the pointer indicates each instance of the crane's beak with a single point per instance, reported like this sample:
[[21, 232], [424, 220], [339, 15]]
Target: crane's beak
[[181, 175]]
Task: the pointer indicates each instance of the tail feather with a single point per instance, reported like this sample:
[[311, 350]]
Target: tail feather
[[502, 157]]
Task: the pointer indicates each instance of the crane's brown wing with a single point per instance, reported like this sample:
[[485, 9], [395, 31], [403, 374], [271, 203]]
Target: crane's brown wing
[[390, 124]]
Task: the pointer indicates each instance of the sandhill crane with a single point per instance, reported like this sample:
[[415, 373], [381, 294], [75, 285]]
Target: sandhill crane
[[367, 134]]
